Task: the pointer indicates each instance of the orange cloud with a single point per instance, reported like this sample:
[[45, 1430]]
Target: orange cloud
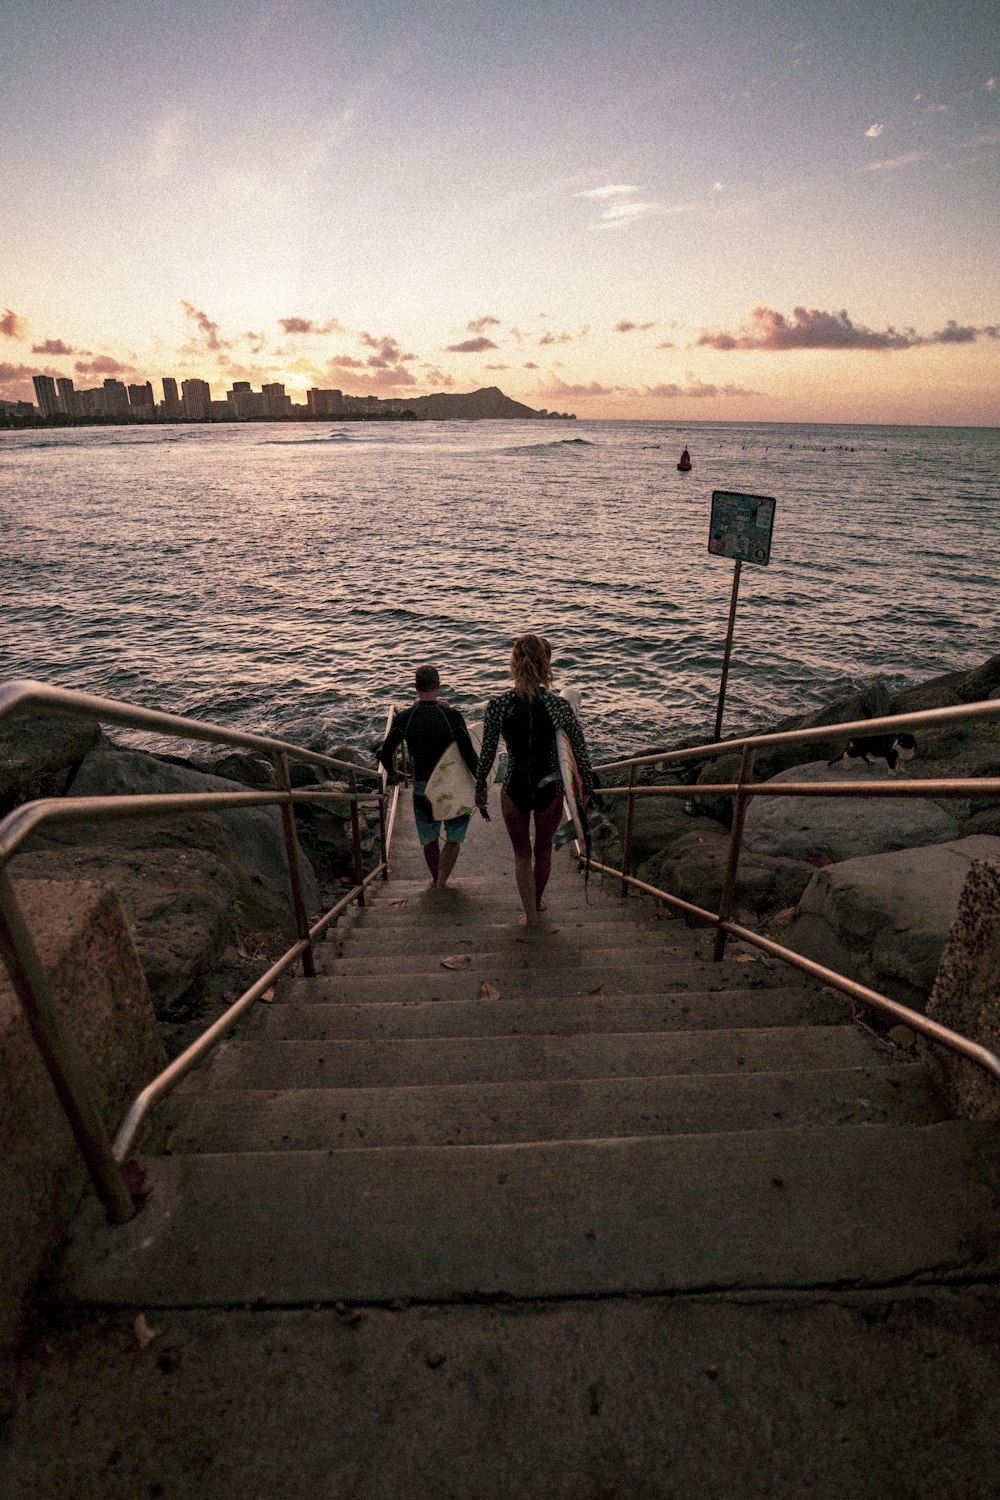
[[308, 325], [626, 326], [103, 365], [208, 330], [12, 326], [808, 328], [55, 346], [471, 346]]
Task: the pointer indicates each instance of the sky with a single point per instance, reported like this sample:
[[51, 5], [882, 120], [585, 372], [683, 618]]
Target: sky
[[735, 210]]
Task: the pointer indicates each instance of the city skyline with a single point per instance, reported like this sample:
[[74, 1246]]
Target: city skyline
[[722, 211]]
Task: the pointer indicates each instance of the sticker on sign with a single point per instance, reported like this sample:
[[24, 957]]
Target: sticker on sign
[[741, 526]]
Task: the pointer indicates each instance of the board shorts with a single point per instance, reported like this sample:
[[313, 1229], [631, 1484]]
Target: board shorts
[[429, 827]]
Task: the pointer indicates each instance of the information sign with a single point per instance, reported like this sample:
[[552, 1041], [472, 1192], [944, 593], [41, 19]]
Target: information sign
[[741, 526]]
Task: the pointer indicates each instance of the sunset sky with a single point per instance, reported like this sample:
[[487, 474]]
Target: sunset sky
[[734, 210]]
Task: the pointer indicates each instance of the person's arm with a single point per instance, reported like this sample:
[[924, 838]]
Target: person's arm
[[491, 738], [391, 744]]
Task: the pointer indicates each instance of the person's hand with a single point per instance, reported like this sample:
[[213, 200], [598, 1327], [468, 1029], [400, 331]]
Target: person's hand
[[482, 798]]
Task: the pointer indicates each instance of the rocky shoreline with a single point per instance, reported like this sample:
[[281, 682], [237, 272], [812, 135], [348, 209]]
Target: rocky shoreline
[[206, 896], [868, 886]]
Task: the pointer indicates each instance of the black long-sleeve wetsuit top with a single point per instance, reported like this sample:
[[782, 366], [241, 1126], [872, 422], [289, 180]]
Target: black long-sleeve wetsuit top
[[529, 726], [428, 728]]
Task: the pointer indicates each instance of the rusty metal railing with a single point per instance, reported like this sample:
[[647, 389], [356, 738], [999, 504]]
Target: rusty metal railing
[[744, 789], [103, 1155]]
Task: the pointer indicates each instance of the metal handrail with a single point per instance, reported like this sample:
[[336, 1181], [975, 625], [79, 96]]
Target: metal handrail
[[104, 1157], [744, 789]]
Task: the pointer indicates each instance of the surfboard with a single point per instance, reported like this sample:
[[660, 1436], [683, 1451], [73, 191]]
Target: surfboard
[[576, 819], [451, 786]]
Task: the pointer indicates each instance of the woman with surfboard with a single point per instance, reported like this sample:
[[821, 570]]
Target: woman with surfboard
[[543, 736], [432, 729]]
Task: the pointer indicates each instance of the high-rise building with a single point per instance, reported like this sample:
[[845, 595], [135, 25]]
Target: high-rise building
[[45, 394], [140, 399], [244, 403], [196, 395], [115, 398], [325, 403], [67, 397], [276, 403], [171, 400]]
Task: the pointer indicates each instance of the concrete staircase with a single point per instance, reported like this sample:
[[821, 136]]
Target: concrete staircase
[[457, 1108]]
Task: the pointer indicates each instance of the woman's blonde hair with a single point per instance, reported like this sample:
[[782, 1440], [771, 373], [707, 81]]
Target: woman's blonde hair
[[531, 664]]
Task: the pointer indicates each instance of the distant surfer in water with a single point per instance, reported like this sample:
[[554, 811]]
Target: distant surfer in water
[[528, 716], [685, 461], [428, 728]]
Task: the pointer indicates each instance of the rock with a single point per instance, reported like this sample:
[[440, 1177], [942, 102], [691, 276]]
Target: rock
[[966, 993], [694, 868], [657, 822], [257, 831], [950, 689], [237, 765], [985, 818], [184, 888], [842, 828], [38, 753], [884, 919]]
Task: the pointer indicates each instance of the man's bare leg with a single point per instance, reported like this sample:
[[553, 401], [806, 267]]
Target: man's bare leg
[[432, 854], [449, 854]]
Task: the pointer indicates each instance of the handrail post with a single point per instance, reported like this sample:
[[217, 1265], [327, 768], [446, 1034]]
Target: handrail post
[[59, 1056], [629, 823], [294, 860], [735, 841], [383, 846], [359, 863]]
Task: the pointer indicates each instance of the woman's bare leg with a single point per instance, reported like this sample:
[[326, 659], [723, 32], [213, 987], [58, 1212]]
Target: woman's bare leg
[[546, 823], [518, 827], [449, 854]]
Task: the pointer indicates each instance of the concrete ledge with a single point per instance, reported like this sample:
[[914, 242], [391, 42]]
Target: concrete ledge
[[87, 953]]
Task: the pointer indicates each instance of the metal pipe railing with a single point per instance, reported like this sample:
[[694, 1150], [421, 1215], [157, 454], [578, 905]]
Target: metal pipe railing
[[743, 790], [103, 1156]]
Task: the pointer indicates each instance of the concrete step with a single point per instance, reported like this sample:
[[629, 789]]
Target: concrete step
[[494, 1059], [566, 1016], [545, 1110], [529, 955], [865, 1205], [493, 937], [543, 981]]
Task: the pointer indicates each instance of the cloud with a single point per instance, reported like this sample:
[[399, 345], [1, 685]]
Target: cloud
[[208, 330], [896, 161], [14, 381], [480, 325], [697, 388], [555, 338], [952, 334], [938, 109], [874, 131], [809, 328], [387, 352], [560, 388], [612, 190], [55, 346], [666, 345], [345, 362], [529, 364], [12, 326], [990, 85], [103, 365], [308, 325], [471, 346], [496, 367], [257, 342], [626, 326]]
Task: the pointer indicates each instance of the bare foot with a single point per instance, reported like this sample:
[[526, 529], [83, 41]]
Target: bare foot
[[525, 921]]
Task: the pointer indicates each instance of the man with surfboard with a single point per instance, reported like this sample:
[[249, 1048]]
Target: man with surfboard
[[547, 761], [433, 732]]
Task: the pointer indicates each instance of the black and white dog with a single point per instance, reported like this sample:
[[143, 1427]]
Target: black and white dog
[[894, 749]]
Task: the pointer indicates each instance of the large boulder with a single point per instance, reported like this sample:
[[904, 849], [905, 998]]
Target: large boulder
[[694, 866], [256, 831], [186, 891], [884, 920], [39, 752], [966, 994], [950, 689], [841, 828]]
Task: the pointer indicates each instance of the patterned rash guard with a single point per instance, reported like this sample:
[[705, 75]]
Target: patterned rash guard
[[528, 726]]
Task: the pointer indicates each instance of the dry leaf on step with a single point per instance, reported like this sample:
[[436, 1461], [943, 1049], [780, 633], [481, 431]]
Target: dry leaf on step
[[599, 990], [456, 961], [487, 991], [746, 958], [144, 1335], [268, 996]]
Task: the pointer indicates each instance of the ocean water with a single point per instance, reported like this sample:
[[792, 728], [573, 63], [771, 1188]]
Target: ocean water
[[276, 576]]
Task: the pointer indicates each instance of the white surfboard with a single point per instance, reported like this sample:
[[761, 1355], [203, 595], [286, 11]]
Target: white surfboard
[[572, 786], [451, 786]]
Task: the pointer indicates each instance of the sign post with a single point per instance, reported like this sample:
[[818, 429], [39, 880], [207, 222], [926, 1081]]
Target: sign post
[[741, 528]]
